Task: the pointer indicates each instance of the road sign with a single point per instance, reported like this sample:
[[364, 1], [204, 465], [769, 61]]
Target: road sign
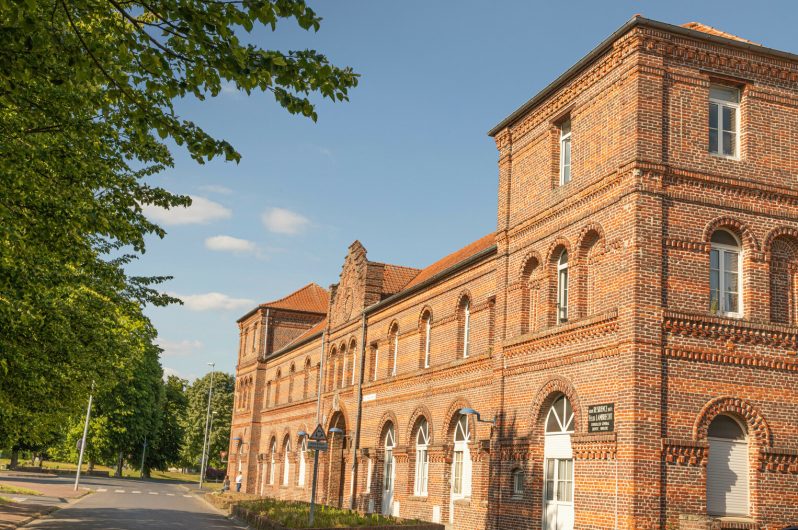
[[320, 446], [318, 434]]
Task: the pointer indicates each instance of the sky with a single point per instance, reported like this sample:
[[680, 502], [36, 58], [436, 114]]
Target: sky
[[405, 166]]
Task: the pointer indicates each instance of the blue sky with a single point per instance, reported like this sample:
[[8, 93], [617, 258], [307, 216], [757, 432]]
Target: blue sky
[[406, 166]]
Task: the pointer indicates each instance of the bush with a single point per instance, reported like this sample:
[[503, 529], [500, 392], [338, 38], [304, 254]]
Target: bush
[[295, 515]]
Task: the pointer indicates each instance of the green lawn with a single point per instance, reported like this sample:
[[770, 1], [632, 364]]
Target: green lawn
[[5, 488], [295, 515]]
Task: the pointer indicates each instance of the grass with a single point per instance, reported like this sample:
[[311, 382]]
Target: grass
[[5, 488], [295, 515]]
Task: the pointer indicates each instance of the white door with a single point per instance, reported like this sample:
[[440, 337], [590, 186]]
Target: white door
[[727, 468], [461, 465], [558, 468], [389, 474]]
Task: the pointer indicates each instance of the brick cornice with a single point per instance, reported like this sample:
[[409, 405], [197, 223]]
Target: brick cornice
[[577, 331], [731, 329], [733, 358], [685, 452], [594, 446], [778, 460]]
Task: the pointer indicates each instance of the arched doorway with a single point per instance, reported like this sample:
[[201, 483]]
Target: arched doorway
[[389, 470], [727, 467], [558, 467], [461, 464], [337, 468]]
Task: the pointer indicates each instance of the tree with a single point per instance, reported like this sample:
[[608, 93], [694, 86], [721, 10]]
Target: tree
[[194, 424], [87, 90], [167, 441]]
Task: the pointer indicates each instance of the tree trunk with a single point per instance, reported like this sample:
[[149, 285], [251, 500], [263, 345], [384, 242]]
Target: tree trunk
[[118, 472], [14, 459], [91, 467]]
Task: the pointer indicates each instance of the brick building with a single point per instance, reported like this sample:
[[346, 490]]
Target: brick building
[[630, 325]]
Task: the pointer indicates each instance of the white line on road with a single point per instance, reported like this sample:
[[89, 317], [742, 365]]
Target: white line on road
[[170, 494], [189, 496], [19, 499], [119, 491], [101, 490], [153, 492], [135, 491]]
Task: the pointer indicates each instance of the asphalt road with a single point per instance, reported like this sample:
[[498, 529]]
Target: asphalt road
[[121, 504]]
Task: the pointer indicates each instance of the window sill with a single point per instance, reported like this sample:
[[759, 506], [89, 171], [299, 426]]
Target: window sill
[[725, 157], [418, 498], [463, 502]]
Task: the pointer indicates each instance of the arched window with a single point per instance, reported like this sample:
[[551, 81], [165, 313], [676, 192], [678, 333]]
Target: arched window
[[727, 468], [286, 461], [266, 403], [725, 265], [461, 464], [426, 332], [353, 350], [291, 383], [562, 287], [306, 379], [422, 459], [559, 466], [393, 338], [332, 359], [464, 318], [342, 367], [303, 447], [389, 471], [518, 481], [277, 379], [375, 360], [273, 461]]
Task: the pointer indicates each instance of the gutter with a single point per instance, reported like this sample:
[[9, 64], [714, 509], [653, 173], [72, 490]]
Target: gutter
[[607, 43]]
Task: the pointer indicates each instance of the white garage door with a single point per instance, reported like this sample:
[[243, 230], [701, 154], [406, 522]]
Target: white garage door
[[727, 471]]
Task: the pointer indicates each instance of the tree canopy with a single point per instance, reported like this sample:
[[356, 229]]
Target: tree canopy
[[87, 106]]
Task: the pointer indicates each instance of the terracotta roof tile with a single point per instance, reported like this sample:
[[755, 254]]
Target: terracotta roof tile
[[453, 259], [312, 298], [698, 26], [395, 277]]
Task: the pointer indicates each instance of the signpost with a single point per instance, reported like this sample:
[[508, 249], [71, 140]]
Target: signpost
[[318, 443], [601, 418]]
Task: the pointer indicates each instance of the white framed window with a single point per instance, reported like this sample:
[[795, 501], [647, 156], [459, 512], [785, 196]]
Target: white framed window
[[303, 447], [395, 350], [562, 287], [725, 265], [422, 459], [369, 474], [286, 462], [518, 482], [558, 469], [376, 362], [389, 471], [272, 462], [342, 382], [427, 333], [466, 326], [724, 121], [565, 152], [727, 468], [354, 363]]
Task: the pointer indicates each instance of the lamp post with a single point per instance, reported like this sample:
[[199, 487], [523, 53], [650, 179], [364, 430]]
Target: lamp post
[[207, 421], [209, 437], [333, 432], [83, 440], [466, 410]]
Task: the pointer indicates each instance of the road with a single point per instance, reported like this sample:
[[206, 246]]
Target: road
[[122, 504]]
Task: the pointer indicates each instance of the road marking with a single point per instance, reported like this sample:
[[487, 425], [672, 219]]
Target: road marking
[[19, 499], [189, 496], [170, 494], [135, 491], [153, 492], [119, 491], [101, 490]]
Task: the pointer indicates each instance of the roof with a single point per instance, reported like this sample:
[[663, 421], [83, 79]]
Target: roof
[[311, 298], [454, 258], [698, 26], [699, 31], [395, 277]]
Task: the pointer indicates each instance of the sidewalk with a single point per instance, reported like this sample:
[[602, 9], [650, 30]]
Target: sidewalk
[[23, 508]]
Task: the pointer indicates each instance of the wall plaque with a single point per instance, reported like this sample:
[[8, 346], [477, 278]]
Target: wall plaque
[[601, 418]]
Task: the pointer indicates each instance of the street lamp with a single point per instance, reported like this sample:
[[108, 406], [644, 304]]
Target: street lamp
[[467, 410], [207, 422]]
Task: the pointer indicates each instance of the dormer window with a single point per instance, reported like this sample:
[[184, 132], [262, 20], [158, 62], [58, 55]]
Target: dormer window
[[724, 121], [565, 152]]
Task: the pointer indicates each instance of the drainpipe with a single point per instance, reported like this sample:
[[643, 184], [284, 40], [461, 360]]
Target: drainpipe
[[356, 447]]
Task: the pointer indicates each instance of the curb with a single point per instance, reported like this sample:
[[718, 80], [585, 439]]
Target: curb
[[227, 515], [50, 509]]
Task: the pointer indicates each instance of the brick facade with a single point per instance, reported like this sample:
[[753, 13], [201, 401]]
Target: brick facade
[[636, 223]]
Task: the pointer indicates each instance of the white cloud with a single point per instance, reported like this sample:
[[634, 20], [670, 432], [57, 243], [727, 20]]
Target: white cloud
[[179, 348], [215, 188], [213, 302], [167, 371], [282, 221], [230, 244], [201, 211]]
